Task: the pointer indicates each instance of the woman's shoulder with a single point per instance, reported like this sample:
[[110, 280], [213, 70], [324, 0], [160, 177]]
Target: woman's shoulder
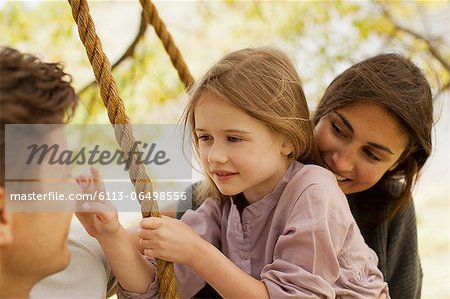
[[372, 207], [405, 218], [315, 185]]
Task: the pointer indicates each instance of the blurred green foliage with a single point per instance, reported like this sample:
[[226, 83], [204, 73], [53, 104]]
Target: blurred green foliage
[[322, 37]]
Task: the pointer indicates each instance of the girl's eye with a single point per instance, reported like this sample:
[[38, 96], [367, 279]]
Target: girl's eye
[[371, 156], [233, 139], [204, 138]]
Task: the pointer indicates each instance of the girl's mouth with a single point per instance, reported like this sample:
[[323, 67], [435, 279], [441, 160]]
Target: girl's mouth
[[222, 175]]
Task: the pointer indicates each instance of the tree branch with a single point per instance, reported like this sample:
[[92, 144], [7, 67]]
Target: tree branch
[[129, 52], [434, 51]]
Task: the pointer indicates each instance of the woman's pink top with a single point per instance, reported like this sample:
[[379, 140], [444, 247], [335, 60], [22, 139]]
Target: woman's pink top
[[300, 240]]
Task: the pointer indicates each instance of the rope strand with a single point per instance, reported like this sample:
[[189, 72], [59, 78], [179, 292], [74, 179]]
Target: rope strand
[[122, 128], [152, 16]]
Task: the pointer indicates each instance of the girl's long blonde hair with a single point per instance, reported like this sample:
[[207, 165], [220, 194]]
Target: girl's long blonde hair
[[263, 83]]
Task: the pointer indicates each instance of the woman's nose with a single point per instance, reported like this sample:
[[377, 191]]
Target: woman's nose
[[344, 160]]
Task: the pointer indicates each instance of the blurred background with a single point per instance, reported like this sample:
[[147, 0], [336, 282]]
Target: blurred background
[[323, 38]]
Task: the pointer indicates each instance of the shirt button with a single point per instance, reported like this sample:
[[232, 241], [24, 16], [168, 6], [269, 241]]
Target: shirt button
[[245, 227], [244, 255]]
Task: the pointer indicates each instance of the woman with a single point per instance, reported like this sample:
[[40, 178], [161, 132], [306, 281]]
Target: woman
[[373, 129]]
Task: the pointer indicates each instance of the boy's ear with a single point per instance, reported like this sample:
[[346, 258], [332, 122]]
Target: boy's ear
[[5, 222]]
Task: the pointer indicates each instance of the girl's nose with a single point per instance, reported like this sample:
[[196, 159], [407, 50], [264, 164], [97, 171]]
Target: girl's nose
[[216, 154]]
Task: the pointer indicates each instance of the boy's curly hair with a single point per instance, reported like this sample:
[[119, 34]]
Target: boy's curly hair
[[32, 92]]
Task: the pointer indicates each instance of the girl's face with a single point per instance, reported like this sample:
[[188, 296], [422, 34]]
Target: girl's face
[[359, 143], [237, 151]]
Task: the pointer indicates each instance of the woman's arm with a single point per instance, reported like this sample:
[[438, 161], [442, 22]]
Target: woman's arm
[[403, 270]]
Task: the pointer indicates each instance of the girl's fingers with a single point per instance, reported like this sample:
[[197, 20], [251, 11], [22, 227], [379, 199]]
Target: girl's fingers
[[97, 179], [149, 252], [83, 181], [95, 173], [382, 296], [150, 248], [147, 243], [97, 207], [151, 223], [144, 233], [90, 181]]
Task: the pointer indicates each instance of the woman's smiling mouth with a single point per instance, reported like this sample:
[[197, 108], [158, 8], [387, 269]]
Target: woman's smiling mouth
[[339, 177]]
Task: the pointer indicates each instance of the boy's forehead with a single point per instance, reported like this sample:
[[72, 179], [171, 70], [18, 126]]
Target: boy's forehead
[[21, 141], [32, 166], [57, 136]]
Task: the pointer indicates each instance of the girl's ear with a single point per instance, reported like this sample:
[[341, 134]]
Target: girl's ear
[[5, 222], [286, 148]]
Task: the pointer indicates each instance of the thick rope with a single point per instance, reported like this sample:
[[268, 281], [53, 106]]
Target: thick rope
[[128, 53], [152, 16], [123, 132]]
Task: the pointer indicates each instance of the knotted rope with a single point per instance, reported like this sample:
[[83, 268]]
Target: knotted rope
[[116, 113], [152, 16]]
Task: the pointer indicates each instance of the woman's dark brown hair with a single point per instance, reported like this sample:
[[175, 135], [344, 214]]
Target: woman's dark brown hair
[[32, 92], [397, 84]]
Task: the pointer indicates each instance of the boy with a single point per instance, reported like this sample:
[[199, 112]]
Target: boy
[[33, 244]]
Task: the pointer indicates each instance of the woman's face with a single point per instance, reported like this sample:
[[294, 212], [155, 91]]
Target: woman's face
[[359, 143]]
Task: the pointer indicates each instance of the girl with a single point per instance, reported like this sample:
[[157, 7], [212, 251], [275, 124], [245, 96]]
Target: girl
[[272, 226]]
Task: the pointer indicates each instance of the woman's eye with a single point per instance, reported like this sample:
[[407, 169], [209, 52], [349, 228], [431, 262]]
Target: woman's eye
[[233, 139], [336, 128], [371, 156]]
